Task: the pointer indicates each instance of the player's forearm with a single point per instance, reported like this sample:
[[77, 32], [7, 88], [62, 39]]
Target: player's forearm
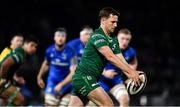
[[3, 70], [44, 68], [66, 80], [5, 66], [69, 76], [121, 64]]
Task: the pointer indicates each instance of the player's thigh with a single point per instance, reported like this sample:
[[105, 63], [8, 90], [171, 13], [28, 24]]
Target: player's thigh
[[100, 97], [119, 91]]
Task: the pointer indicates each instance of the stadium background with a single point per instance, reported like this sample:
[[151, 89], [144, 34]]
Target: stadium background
[[154, 25]]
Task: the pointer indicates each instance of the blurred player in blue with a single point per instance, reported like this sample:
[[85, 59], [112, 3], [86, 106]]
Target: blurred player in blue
[[112, 79], [61, 61], [78, 44]]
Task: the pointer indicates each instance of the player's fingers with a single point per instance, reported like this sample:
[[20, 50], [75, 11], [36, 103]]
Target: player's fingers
[[136, 81]]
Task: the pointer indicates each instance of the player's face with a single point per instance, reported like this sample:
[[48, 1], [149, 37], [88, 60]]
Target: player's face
[[31, 47], [60, 38], [17, 41], [85, 36], [124, 40], [111, 23]]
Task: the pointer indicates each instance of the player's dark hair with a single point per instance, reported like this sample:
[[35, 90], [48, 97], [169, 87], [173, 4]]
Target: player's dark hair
[[125, 31], [31, 38], [16, 34], [106, 12], [61, 29]]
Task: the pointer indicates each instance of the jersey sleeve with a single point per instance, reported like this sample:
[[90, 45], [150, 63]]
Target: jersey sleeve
[[4, 53], [47, 54], [117, 50], [98, 40]]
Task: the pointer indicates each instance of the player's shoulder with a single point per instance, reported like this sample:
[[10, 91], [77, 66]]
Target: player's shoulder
[[50, 48], [73, 42], [6, 49], [97, 34], [68, 48], [18, 50], [131, 50]]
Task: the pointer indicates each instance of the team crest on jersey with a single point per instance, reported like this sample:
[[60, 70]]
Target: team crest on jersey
[[64, 56]]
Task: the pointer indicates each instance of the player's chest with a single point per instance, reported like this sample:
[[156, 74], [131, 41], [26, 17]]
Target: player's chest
[[59, 57]]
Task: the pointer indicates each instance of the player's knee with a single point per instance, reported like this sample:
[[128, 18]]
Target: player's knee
[[75, 101], [19, 100], [124, 100], [51, 100]]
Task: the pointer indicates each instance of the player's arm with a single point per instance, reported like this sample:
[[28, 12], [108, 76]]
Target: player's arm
[[69, 76], [5, 65], [44, 68], [119, 62]]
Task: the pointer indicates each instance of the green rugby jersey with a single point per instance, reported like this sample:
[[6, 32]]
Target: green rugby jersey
[[18, 56], [92, 61]]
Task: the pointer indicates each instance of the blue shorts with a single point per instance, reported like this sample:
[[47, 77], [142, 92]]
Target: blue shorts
[[107, 83]]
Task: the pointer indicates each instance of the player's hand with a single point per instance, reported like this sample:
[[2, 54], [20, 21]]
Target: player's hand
[[135, 77], [58, 88], [109, 73], [40, 82]]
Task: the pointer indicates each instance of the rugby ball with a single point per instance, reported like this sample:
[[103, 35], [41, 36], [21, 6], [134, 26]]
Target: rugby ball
[[132, 89]]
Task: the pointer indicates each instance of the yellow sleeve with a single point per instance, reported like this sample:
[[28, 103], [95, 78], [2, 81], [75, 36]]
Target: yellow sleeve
[[4, 53]]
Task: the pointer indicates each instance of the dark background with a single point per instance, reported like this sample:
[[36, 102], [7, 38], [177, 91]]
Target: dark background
[[153, 23]]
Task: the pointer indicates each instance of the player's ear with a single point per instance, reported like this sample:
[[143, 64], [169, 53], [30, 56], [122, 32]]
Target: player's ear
[[103, 19]]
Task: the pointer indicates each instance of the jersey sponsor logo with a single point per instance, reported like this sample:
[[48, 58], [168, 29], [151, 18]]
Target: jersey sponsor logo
[[97, 35], [99, 41], [94, 84], [59, 63]]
